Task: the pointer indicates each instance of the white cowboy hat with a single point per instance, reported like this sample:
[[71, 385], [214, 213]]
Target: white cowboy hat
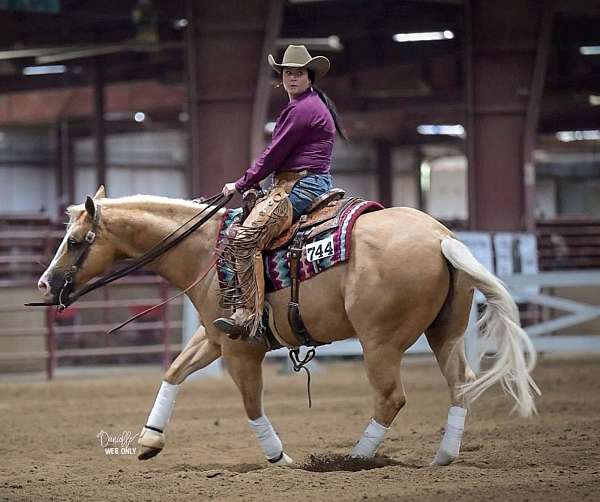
[[296, 56]]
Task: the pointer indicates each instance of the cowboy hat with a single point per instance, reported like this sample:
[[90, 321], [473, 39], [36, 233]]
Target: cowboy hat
[[296, 56]]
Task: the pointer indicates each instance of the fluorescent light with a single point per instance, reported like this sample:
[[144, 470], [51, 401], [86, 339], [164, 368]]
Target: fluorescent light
[[443, 130], [567, 136], [423, 36], [594, 100], [180, 23], [330, 43], [139, 116], [44, 70], [590, 50]]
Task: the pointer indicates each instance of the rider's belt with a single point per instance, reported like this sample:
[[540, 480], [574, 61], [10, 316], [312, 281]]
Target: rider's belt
[[287, 179], [290, 175]]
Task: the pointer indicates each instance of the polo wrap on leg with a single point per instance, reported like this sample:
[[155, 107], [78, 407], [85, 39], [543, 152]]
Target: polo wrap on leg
[[370, 440], [450, 445], [163, 406], [267, 437]]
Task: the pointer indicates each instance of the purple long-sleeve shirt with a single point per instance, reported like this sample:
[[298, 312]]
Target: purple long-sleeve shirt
[[302, 139]]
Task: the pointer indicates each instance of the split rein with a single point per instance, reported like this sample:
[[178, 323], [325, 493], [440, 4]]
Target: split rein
[[165, 244]]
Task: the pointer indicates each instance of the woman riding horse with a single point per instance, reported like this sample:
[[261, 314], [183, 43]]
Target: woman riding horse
[[394, 286], [407, 274], [299, 157]]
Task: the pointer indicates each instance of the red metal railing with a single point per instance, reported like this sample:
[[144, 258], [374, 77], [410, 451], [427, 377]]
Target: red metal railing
[[53, 330], [26, 241]]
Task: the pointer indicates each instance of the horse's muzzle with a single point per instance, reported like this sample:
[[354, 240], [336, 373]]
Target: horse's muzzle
[[53, 287]]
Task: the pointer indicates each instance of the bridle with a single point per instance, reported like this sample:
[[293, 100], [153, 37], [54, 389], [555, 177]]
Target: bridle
[[80, 256], [64, 298]]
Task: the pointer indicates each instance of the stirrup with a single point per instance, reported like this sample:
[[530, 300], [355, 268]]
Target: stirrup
[[230, 328]]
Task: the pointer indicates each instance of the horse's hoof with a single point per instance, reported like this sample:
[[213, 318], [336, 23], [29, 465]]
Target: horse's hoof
[[147, 453], [442, 458], [152, 442], [283, 461]]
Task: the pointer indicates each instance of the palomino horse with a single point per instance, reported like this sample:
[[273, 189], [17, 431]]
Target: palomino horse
[[407, 275]]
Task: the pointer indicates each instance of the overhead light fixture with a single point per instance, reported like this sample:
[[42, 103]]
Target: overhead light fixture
[[331, 43], [442, 130], [44, 70], [180, 23], [139, 116], [269, 127], [589, 50], [594, 100], [423, 36], [567, 136]]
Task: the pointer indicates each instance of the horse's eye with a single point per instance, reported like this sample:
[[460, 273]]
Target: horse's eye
[[73, 243]]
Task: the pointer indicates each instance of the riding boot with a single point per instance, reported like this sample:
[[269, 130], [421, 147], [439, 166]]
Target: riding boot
[[247, 320]]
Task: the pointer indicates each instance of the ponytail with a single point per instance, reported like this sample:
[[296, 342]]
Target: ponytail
[[330, 106]]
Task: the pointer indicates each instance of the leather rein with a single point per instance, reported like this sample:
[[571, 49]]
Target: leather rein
[[64, 298]]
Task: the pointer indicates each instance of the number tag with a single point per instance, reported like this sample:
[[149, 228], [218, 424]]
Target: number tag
[[320, 249]]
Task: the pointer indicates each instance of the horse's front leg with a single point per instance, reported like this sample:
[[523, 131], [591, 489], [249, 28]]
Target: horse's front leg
[[199, 352], [244, 363]]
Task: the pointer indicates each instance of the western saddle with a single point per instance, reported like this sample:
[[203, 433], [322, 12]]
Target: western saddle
[[322, 215]]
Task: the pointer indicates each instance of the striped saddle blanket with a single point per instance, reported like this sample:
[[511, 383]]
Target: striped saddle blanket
[[320, 252]]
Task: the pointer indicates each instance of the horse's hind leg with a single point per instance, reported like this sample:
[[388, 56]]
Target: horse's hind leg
[[199, 352], [445, 336], [383, 369]]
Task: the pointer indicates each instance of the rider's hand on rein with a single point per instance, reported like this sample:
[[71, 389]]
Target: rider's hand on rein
[[229, 189]]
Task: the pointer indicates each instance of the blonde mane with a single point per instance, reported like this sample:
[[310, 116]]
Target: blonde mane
[[138, 201]]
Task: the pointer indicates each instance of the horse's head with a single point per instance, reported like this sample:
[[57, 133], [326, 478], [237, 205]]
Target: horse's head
[[83, 253]]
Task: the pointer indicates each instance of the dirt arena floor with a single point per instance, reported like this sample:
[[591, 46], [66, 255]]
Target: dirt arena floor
[[50, 449]]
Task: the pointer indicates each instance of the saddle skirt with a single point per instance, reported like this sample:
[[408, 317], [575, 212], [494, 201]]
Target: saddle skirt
[[327, 234]]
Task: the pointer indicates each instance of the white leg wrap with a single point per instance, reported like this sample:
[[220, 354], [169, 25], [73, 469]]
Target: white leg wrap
[[163, 406], [370, 440], [269, 441], [450, 445]]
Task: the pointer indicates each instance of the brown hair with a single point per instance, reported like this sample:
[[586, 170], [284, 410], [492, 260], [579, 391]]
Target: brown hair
[[330, 106]]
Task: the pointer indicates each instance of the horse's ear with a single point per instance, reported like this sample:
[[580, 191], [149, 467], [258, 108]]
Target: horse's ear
[[101, 193], [90, 207]]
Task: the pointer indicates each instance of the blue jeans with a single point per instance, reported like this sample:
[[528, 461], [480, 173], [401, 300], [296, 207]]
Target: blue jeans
[[306, 190]]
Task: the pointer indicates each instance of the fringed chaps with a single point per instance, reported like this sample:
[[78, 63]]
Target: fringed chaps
[[243, 254]]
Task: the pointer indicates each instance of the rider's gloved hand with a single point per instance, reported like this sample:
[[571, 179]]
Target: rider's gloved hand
[[229, 189]]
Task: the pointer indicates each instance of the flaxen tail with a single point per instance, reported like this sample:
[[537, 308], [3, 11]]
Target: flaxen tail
[[501, 326]]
